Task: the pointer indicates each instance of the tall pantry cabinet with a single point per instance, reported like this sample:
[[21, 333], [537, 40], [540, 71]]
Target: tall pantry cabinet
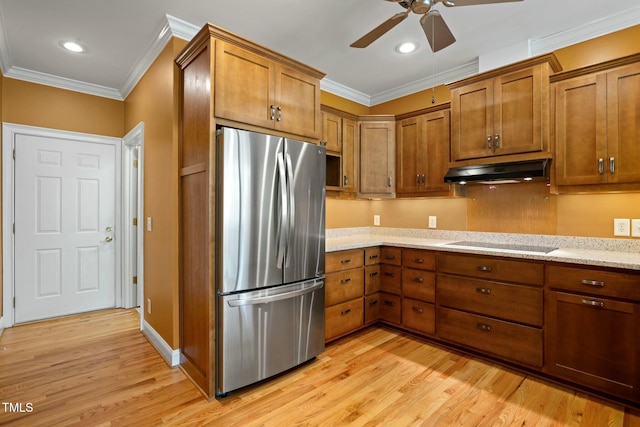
[[226, 80]]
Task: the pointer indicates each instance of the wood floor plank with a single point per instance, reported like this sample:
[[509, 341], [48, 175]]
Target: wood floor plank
[[97, 369]]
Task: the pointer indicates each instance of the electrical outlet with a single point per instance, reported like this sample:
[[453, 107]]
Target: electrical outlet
[[149, 305], [376, 220], [635, 227], [621, 227], [433, 221]]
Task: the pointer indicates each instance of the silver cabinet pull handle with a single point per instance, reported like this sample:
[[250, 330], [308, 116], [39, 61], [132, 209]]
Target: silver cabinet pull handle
[[612, 165], [600, 165], [496, 141], [423, 181], [483, 327], [418, 179], [279, 118], [485, 291], [484, 268], [390, 181], [597, 283], [489, 143], [346, 180], [273, 112], [593, 303]]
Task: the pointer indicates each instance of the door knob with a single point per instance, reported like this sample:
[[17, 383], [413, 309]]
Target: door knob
[[108, 239]]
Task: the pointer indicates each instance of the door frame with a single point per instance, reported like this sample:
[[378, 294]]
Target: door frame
[[132, 141], [9, 131]]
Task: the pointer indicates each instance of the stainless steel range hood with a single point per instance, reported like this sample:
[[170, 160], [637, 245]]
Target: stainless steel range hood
[[501, 172]]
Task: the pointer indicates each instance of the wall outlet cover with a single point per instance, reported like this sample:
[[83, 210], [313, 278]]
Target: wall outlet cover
[[621, 227], [376, 220], [635, 227], [433, 222]]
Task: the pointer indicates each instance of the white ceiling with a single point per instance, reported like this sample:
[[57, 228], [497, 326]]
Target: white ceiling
[[123, 37]]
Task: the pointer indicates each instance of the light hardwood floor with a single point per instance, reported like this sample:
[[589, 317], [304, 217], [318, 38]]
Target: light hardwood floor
[[98, 370]]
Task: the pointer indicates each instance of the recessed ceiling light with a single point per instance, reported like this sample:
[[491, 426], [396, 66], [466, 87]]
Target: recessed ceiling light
[[73, 47], [406, 47]]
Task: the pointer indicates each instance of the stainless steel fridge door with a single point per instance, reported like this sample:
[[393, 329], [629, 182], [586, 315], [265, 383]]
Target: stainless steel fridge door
[[306, 171], [263, 333], [252, 210]]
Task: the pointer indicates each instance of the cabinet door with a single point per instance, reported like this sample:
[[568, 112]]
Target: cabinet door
[[409, 134], [581, 130], [244, 86], [472, 121], [377, 158], [517, 100], [594, 342], [297, 103], [435, 151], [332, 132], [349, 155], [623, 100]]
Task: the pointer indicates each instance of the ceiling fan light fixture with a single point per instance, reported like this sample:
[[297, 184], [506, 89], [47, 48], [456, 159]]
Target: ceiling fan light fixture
[[406, 47], [72, 46]]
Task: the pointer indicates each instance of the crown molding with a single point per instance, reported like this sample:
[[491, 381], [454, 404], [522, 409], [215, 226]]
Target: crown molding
[[605, 25], [182, 29], [5, 56], [345, 92]]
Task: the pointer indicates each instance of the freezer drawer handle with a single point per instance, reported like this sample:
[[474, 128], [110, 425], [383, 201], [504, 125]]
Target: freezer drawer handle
[[596, 283], [273, 298]]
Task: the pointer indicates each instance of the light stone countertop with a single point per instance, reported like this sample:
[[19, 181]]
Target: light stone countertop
[[618, 253]]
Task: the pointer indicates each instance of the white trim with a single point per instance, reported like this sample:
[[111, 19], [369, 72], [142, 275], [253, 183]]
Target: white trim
[[345, 92], [9, 132], [5, 55], [182, 29], [131, 141], [605, 25], [171, 356]]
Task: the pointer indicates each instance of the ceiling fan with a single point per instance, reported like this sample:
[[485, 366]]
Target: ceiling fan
[[436, 30]]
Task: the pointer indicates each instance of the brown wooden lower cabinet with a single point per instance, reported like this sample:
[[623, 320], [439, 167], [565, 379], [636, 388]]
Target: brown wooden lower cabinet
[[594, 341], [372, 308], [507, 340], [390, 308], [343, 318], [419, 316]]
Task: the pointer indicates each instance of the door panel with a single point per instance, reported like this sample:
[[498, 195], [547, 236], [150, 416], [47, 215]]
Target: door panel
[[65, 226]]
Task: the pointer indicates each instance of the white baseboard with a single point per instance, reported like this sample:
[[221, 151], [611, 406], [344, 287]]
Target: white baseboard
[[171, 356]]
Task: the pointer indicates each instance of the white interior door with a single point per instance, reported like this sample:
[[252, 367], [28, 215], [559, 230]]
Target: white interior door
[[65, 226]]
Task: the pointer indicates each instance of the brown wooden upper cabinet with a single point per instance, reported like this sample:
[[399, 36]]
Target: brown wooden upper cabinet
[[377, 157], [340, 137], [597, 124], [503, 111], [254, 89], [422, 153]]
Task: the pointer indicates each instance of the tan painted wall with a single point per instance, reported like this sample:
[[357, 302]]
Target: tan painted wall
[[152, 102]]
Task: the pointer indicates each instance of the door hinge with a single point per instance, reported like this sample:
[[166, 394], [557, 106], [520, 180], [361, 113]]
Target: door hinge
[[14, 228], [135, 222], [135, 163], [135, 280], [14, 302], [14, 154]]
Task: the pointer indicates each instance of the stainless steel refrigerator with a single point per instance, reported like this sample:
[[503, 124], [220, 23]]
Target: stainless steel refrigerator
[[270, 256]]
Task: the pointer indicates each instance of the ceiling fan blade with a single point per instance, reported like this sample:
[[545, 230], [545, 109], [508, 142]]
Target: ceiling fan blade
[[377, 32], [436, 30], [474, 2]]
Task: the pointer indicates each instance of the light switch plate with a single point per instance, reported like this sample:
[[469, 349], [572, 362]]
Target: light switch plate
[[376, 220], [433, 222], [621, 227], [635, 227]]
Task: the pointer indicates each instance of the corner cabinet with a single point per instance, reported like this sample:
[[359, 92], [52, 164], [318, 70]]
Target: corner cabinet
[[377, 157], [502, 112], [340, 136], [598, 125], [224, 79], [252, 88], [422, 153]]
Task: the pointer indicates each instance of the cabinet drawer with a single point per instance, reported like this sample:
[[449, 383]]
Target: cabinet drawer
[[418, 316], [419, 284], [344, 286], [593, 281], [390, 308], [522, 344], [371, 279], [344, 260], [415, 258], [517, 303], [371, 256], [391, 256], [391, 279], [492, 268], [372, 308], [343, 318]]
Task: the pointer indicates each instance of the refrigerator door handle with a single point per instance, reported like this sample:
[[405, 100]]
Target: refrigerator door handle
[[292, 213], [272, 298], [283, 213]]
